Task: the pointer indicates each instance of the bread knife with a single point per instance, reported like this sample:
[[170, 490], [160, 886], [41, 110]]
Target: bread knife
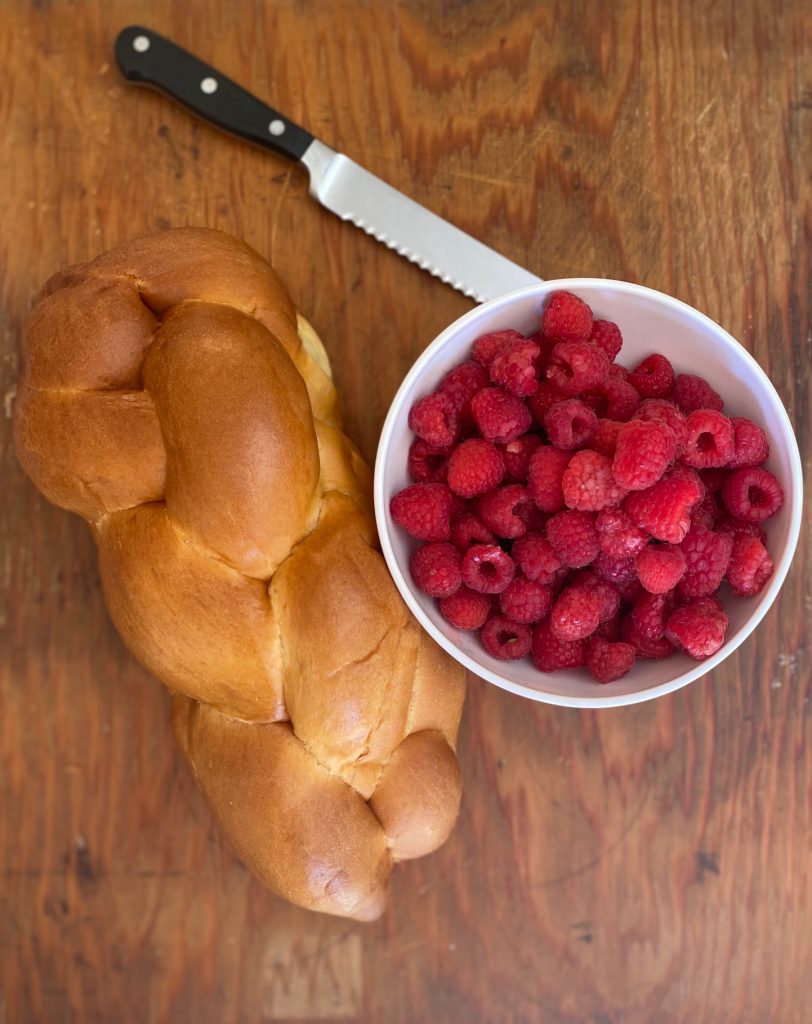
[[336, 181]]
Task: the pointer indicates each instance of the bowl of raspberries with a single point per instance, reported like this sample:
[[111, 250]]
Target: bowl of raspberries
[[588, 492]]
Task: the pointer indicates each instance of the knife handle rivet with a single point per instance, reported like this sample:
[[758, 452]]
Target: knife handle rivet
[[141, 44], [208, 86], [276, 127]]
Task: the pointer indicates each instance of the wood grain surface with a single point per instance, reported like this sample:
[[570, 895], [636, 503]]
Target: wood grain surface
[[648, 864]]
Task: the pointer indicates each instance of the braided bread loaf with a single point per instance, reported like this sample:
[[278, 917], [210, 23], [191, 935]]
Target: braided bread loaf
[[168, 397]]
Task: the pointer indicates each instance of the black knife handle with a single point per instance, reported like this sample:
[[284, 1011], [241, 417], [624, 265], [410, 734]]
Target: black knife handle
[[150, 59]]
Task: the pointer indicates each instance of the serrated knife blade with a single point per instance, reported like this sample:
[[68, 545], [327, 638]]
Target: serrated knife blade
[[336, 181]]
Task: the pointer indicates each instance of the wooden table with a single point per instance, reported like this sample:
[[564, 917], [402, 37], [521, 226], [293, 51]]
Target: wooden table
[[649, 864]]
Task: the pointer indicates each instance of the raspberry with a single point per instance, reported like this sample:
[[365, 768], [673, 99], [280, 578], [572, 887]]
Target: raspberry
[[517, 455], [750, 447], [644, 647], [618, 372], [498, 415], [567, 318], [712, 479], [500, 510], [622, 401], [650, 613], [487, 569], [706, 512], [750, 566], [699, 627], [435, 568], [595, 400], [514, 367], [609, 630], [487, 346], [576, 366], [606, 335], [588, 484], [573, 537], [544, 478], [642, 454], [540, 402], [617, 535], [475, 466], [435, 418], [709, 439], [608, 661], [752, 494], [462, 383], [569, 424], [691, 393], [654, 377], [468, 529], [423, 510], [576, 613], [606, 592], [666, 412], [664, 510], [506, 639], [525, 600], [465, 609], [604, 438], [426, 463], [707, 555], [550, 653], [617, 571], [660, 567], [737, 528], [536, 558]]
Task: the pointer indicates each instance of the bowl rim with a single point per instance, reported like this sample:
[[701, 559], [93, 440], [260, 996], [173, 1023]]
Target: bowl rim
[[564, 700]]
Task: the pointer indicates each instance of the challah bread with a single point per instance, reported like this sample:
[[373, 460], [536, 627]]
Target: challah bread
[[170, 397]]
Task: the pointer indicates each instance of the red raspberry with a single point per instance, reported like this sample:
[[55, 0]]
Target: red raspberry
[[435, 418], [752, 494], [617, 571], [606, 592], [709, 439], [606, 335], [541, 401], [525, 600], [569, 424], [588, 484], [514, 367], [617, 534], [737, 528], [435, 568], [608, 661], [462, 383], [706, 512], [577, 366], [501, 510], [506, 639], [707, 555], [664, 510], [604, 439], [643, 453], [549, 653], [750, 566], [567, 318], [423, 510], [426, 463], [487, 569], [699, 627], [609, 630], [660, 567], [692, 393], [644, 647], [654, 377], [576, 613], [498, 415], [666, 412], [712, 479], [618, 372], [487, 346], [468, 529], [622, 401], [475, 466], [650, 614], [544, 477], [517, 455], [465, 609], [595, 400], [545, 345], [751, 446], [573, 537], [536, 558]]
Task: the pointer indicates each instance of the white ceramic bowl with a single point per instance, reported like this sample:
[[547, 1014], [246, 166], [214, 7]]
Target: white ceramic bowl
[[650, 322]]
